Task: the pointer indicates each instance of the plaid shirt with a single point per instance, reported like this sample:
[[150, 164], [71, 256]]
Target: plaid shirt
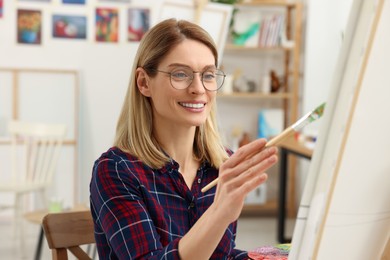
[[142, 213]]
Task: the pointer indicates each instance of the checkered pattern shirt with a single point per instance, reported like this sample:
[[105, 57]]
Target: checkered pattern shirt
[[142, 213]]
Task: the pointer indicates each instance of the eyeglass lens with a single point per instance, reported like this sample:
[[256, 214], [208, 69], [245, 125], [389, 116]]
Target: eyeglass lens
[[182, 78]]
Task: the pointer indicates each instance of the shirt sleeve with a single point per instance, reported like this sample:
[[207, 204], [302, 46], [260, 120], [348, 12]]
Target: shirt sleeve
[[238, 254], [123, 227]]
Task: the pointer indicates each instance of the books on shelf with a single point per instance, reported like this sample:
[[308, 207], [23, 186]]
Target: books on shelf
[[253, 29], [270, 30]]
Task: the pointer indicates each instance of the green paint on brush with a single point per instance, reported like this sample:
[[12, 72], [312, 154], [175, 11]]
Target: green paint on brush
[[317, 113], [309, 117]]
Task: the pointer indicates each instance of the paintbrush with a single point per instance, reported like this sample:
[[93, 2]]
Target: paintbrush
[[297, 126]]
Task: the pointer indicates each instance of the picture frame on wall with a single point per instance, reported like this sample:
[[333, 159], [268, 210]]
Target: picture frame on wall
[[69, 26], [116, 1], [1, 8], [138, 22], [107, 25], [46, 1], [80, 2], [29, 26]]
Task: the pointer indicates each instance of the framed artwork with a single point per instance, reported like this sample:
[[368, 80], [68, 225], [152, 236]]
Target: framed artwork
[[69, 26], [1, 8], [107, 25], [116, 1], [29, 26], [47, 1], [81, 2], [138, 22]]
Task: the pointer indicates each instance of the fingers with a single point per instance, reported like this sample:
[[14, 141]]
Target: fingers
[[246, 151], [253, 172], [246, 159], [237, 179], [252, 184], [247, 167], [255, 159]]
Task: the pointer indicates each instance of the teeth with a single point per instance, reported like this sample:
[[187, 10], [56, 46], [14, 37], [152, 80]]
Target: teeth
[[191, 105]]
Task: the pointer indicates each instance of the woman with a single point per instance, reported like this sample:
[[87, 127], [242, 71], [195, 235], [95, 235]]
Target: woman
[[146, 197]]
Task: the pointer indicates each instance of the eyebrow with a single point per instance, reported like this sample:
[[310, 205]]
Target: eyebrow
[[185, 65]]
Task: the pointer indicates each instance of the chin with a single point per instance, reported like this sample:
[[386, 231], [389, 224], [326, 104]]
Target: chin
[[198, 122]]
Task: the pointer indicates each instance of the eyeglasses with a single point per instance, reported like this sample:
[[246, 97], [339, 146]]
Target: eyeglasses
[[181, 78]]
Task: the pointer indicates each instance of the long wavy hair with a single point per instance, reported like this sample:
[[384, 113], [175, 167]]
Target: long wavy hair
[[134, 131]]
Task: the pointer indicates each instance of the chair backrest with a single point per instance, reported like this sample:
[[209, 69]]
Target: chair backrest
[[68, 231], [39, 146]]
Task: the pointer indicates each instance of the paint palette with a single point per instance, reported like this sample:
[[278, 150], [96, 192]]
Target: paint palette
[[278, 252]]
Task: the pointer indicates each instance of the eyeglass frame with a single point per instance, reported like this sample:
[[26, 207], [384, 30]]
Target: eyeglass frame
[[192, 79]]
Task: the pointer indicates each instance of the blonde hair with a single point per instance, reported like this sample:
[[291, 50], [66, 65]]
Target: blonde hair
[[135, 124]]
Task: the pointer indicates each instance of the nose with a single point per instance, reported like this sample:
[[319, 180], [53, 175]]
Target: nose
[[196, 86]]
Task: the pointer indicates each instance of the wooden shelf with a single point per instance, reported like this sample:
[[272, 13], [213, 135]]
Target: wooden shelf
[[271, 3], [7, 141], [240, 49], [254, 210], [254, 95], [288, 52]]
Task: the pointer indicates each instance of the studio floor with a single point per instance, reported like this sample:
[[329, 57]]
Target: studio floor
[[252, 232]]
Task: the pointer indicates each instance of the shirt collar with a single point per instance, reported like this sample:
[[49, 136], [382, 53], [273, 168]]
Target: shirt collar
[[172, 165]]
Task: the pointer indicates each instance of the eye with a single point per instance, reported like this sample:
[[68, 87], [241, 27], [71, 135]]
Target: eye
[[209, 76], [180, 74]]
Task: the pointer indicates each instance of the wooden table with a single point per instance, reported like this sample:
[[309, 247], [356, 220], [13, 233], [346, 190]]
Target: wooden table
[[286, 147]]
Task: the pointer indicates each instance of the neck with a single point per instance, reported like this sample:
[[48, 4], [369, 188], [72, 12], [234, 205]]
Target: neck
[[178, 143]]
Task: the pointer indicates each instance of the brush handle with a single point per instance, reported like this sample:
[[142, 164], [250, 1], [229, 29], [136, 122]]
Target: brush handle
[[280, 137], [274, 141]]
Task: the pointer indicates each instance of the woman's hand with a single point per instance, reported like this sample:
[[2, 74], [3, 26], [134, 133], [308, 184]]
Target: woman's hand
[[241, 174]]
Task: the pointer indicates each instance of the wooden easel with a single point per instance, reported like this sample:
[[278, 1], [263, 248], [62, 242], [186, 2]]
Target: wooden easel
[[199, 6], [18, 80], [386, 252]]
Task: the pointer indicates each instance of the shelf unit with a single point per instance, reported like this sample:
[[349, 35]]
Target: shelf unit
[[287, 99]]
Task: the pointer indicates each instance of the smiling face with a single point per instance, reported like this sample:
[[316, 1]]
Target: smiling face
[[173, 108]]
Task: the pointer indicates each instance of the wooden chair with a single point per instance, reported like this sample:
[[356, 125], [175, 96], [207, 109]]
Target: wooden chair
[[68, 231]]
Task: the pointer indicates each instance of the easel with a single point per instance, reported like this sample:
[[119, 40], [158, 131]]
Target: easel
[[386, 252], [20, 81], [199, 6]]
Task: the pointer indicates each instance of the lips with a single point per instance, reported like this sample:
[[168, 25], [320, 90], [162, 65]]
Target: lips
[[193, 105]]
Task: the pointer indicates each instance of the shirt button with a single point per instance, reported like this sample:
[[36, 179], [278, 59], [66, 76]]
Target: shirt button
[[192, 205], [199, 180]]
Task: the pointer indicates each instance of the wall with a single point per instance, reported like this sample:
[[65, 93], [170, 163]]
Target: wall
[[104, 69]]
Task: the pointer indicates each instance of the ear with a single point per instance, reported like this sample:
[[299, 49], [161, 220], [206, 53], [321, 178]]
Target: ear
[[142, 79]]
